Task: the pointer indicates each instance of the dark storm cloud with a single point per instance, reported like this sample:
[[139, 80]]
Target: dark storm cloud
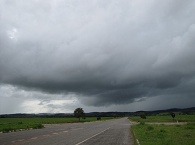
[[105, 52]]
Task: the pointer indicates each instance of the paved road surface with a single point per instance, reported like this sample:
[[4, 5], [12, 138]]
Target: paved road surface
[[112, 132]]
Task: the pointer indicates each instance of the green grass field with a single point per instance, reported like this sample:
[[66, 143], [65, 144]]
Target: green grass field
[[165, 134], [13, 124], [151, 134], [165, 118]]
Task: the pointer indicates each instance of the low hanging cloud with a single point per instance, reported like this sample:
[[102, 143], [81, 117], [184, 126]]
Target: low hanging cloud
[[104, 52]]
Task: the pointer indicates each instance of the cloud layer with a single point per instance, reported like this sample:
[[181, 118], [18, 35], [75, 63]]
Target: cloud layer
[[103, 52]]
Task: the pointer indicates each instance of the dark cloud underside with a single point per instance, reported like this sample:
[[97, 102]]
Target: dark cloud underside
[[105, 52]]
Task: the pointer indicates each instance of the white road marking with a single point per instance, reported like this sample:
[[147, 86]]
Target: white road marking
[[76, 128], [46, 135], [21, 140], [92, 136], [65, 131], [137, 141], [55, 133]]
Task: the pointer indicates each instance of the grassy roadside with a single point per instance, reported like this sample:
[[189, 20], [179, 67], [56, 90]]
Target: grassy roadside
[[167, 118], [15, 124], [160, 134], [134, 137], [165, 134]]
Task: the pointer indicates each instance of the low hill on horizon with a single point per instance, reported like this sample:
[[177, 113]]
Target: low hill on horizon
[[188, 111]]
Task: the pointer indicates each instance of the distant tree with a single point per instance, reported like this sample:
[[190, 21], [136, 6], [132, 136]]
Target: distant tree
[[79, 112], [173, 115], [99, 118], [142, 115]]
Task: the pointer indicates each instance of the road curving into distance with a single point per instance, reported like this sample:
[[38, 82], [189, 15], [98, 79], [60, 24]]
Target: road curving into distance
[[110, 132]]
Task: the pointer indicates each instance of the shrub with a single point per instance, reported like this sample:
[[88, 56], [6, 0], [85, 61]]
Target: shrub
[[142, 123], [20, 122], [5, 130], [178, 125], [37, 126], [149, 128], [162, 130], [142, 115]]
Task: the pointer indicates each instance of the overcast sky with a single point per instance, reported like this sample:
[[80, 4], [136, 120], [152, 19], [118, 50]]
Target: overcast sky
[[102, 55]]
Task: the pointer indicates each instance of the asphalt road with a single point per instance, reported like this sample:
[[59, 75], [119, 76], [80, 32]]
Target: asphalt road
[[112, 132]]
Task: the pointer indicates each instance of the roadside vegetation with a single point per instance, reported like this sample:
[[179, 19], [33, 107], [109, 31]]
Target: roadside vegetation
[[16, 124], [164, 118], [169, 131], [165, 134]]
